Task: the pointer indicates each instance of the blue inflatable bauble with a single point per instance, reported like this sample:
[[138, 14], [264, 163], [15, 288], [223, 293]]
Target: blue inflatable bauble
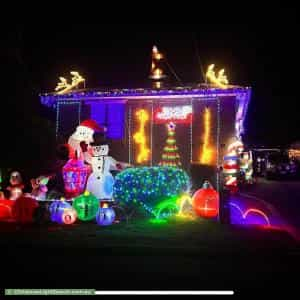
[[57, 209], [105, 216]]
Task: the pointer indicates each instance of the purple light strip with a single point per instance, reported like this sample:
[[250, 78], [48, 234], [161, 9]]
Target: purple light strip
[[146, 92], [139, 92], [50, 100]]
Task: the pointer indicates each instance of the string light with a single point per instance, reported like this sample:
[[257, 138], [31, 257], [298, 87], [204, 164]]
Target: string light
[[220, 80], [156, 71], [151, 140], [218, 143], [170, 156], [182, 201], [166, 208], [58, 107], [156, 54], [157, 74], [241, 93], [140, 137], [149, 186], [57, 119], [207, 151], [129, 134], [191, 133]]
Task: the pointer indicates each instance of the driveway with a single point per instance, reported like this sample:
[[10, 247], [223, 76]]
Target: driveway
[[282, 198]]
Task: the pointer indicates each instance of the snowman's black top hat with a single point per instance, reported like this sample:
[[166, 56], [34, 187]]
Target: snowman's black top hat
[[99, 139]]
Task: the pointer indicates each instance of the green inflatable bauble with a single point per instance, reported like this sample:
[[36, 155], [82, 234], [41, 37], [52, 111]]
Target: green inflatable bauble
[[86, 206]]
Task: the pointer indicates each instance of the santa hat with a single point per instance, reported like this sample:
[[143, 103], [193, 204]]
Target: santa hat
[[93, 125]]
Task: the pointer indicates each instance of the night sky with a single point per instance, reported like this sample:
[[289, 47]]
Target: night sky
[[118, 55]]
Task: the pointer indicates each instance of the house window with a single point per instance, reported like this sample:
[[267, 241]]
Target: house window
[[111, 115]]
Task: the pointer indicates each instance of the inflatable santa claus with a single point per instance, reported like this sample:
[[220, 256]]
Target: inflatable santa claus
[[231, 165], [79, 142]]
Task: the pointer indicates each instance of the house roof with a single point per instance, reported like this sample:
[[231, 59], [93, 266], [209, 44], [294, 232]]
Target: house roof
[[199, 91], [192, 91]]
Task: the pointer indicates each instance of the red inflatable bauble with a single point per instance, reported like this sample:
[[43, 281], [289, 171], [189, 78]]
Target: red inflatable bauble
[[6, 207], [206, 203], [24, 208]]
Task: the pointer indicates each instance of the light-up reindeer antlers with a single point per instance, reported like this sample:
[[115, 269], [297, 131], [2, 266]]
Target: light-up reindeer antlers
[[77, 78], [220, 80], [63, 86]]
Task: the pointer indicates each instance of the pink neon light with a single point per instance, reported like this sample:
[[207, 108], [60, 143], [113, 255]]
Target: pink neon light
[[237, 207], [253, 210]]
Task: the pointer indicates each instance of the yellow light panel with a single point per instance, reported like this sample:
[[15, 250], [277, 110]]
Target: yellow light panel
[[140, 136], [207, 151]]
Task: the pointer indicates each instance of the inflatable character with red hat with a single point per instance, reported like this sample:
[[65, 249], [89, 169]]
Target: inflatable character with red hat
[[80, 140]]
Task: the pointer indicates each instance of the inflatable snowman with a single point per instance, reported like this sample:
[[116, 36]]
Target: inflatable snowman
[[100, 182]]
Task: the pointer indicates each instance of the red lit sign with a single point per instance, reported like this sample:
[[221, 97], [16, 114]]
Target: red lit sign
[[176, 114]]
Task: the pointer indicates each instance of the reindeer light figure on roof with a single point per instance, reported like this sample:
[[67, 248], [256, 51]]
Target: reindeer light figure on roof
[[220, 80], [63, 86]]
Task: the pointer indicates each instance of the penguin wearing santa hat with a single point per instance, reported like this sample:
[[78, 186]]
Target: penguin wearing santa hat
[[81, 139]]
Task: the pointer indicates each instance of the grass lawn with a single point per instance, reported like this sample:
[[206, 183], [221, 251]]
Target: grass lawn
[[180, 254]]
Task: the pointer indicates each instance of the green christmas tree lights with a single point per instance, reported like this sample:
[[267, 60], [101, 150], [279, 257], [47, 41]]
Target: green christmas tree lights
[[171, 155]]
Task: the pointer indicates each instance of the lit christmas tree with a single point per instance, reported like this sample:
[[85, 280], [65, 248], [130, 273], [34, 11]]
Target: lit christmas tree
[[171, 157]]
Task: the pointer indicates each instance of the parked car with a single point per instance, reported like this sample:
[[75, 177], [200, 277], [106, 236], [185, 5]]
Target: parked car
[[279, 165], [260, 160]]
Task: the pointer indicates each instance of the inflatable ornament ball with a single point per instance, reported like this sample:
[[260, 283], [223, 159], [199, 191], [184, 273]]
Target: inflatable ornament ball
[[206, 202], [86, 206], [24, 209], [57, 209], [68, 217], [105, 215]]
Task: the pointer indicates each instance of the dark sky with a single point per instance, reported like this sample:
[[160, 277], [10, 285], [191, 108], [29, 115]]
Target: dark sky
[[261, 56]]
